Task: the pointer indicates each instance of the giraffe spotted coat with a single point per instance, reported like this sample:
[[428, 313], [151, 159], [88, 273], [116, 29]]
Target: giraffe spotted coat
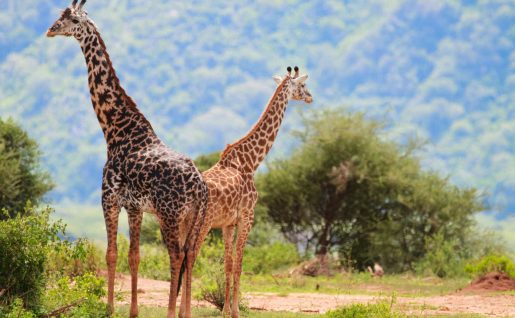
[[141, 172], [232, 192]]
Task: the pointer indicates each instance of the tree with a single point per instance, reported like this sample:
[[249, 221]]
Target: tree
[[347, 188], [21, 176], [204, 162]]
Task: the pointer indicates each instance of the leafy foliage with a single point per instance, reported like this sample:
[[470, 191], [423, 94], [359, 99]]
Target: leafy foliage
[[34, 254], [380, 310], [451, 256], [85, 293], [347, 187], [204, 162], [491, 263], [24, 245], [16, 310], [21, 177], [269, 257]]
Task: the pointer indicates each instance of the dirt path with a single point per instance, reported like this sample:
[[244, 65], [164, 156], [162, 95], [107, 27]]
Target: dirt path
[[155, 293]]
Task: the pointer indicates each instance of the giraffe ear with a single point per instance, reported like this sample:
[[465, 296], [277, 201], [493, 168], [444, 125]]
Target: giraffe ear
[[278, 79], [301, 79]]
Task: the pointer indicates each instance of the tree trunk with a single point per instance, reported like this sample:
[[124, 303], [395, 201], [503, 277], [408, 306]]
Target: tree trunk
[[322, 251]]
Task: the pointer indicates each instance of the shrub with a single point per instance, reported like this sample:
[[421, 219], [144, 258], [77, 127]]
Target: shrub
[[491, 263], [34, 255], [442, 258], [380, 310], [25, 243], [267, 258], [212, 287], [154, 259], [84, 295], [73, 259], [16, 310]]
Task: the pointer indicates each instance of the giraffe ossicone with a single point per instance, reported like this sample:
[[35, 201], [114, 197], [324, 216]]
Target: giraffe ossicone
[[141, 172]]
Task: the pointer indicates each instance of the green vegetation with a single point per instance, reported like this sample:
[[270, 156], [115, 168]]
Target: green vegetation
[[347, 189], [41, 270], [381, 309], [154, 312], [491, 263], [406, 285], [21, 178], [345, 193]]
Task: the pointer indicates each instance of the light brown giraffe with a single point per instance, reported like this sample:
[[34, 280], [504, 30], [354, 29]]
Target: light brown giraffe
[[232, 193]]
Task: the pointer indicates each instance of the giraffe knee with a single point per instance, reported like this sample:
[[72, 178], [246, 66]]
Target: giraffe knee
[[111, 256], [134, 260]]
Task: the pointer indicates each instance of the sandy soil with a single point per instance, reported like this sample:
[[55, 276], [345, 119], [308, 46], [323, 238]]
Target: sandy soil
[[155, 293]]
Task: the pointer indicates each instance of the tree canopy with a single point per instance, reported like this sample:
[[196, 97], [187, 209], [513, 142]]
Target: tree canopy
[[348, 189], [21, 176]]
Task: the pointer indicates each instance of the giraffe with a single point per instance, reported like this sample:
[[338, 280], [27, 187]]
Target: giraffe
[[232, 193], [141, 173]]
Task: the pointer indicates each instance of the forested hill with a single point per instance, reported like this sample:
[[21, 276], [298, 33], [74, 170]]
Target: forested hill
[[201, 72]]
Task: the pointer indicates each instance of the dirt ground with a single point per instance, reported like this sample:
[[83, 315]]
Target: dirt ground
[[155, 293]]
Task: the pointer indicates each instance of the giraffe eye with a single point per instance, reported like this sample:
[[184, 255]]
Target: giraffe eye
[[75, 21]]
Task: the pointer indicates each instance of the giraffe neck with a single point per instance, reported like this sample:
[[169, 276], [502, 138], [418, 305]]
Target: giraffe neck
[[116, 112], [248, 152]]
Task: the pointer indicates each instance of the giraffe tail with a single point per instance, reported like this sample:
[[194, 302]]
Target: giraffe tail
[[183, 269], [197, 224]]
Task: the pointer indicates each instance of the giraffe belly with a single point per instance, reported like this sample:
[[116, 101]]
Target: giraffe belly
[[225, 218], [140, 202]]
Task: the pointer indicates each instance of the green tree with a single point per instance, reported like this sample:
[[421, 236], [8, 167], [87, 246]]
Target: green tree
[[21, 176], [204, 162], [347, 188]]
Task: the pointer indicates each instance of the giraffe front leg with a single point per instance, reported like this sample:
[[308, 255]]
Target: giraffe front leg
[[176, 253], [241, 240], [228, 236], [135, 218], [186, 292], [111, 213]]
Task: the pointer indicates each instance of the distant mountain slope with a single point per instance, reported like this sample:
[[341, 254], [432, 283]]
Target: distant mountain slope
[[201, 72]]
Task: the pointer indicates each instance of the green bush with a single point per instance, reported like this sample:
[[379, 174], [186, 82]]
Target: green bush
[[16, 310], [154, 259], [491, 263], [267, 258], [379, 310], [442, 258], [25, 243], [212, 287], [34, 257], [84, 293], [73, 259]]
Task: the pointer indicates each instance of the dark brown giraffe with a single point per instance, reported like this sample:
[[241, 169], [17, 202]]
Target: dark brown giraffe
[[232, 193], [141, 173]]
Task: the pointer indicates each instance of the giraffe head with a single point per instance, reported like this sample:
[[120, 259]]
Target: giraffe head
[[72, 22], [295, 85]]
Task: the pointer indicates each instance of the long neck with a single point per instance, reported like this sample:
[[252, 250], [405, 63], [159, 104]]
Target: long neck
[[117, 113], [248, 152]]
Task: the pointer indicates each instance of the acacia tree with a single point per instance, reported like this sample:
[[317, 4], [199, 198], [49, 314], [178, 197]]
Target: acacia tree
[[21, 176], [345, 184]]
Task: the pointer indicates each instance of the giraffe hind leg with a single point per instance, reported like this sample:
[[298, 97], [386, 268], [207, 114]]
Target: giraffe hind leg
[[135, 219], [228, 236], [111, 213], [241, 239]]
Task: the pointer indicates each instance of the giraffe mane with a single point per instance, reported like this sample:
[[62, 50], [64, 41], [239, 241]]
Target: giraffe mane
[[229, 147]]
